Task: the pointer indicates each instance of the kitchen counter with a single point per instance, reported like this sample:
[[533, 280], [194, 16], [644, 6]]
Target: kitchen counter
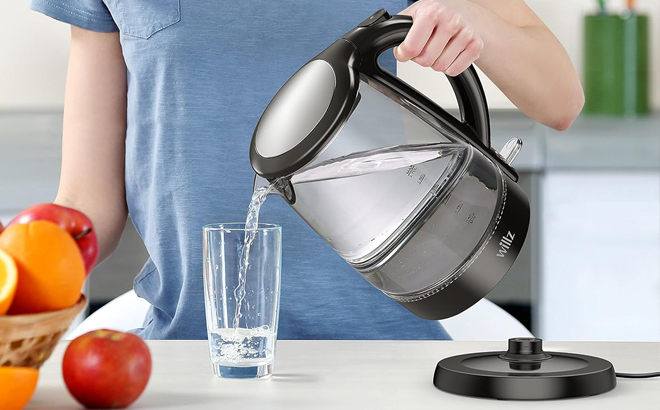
[[600, 143], [349, 375]]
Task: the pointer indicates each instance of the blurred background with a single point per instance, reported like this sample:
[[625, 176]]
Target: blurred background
[[590, 269]]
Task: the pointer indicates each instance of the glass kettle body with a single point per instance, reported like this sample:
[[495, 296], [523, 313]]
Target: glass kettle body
[[412, 198]]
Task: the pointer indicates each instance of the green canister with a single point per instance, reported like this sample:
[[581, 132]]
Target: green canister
[[616, 64]]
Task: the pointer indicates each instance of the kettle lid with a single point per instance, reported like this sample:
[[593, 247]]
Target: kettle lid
[[297, 109], [306, 112]]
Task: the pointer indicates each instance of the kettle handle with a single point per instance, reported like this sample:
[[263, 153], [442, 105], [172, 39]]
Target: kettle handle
[[381, 32]]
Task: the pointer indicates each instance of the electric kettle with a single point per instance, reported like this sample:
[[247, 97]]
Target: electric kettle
[[414, 199]]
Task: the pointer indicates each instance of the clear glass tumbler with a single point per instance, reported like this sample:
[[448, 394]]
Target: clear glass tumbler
[[242, 321]]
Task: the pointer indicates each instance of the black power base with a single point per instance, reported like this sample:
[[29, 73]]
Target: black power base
[[524, 372]]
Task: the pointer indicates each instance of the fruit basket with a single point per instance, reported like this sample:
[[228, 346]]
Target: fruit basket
[[29, 340]]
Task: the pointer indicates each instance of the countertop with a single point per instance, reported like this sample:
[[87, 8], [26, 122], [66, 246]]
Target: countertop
[[591, 143], [350, 375]]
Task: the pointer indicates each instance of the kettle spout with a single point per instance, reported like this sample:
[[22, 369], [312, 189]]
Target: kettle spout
[[259, 182], [280, 186]]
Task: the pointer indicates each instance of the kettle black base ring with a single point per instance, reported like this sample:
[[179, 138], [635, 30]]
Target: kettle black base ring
[[453, 376]]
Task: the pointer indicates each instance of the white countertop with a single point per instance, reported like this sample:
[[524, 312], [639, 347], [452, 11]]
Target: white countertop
[[350, 375]]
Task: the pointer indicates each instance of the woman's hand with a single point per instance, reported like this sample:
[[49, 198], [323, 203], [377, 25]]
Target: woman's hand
[[508, 42], [442, 37]]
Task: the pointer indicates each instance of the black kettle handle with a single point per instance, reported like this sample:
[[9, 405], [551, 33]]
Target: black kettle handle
[[381, 32]]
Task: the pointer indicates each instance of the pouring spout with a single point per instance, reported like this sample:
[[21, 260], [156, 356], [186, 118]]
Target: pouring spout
[[259, 182], [280, 186]]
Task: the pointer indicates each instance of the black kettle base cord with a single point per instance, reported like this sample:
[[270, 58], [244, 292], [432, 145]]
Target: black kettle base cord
[[637, 375]]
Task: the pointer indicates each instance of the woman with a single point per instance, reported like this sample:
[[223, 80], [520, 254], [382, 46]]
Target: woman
[[161, 100]]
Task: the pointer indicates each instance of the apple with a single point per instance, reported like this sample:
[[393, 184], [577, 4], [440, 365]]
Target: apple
[[71, 220], [106, 368]]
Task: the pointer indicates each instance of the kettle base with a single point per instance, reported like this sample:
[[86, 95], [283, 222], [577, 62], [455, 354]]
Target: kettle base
[[530, 374]]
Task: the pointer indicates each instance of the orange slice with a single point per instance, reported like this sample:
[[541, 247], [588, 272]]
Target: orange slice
[[17, 385], [8, 281]]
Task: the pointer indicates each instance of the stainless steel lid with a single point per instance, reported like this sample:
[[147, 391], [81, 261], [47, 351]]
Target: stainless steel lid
[[296, 109], [306, 113]]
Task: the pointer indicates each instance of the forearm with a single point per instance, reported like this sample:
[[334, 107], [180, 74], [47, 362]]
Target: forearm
[[530, 66], [94, 133], [85, 186]]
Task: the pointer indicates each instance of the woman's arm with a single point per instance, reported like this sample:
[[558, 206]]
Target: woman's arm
[[92, 178], [508, 42]]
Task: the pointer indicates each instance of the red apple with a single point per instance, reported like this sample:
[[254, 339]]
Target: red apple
[[106, 369], [72, 221]]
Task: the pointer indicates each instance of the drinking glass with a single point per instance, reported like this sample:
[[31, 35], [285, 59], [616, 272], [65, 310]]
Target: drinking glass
[[243, 345]]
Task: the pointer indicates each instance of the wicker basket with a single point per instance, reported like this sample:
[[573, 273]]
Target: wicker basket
[[28, 340]]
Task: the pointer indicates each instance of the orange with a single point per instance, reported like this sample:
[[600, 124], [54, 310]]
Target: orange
[[8, 279], [17, 384], [51, 271]]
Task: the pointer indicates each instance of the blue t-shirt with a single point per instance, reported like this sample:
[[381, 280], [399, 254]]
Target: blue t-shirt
[[200, 73]]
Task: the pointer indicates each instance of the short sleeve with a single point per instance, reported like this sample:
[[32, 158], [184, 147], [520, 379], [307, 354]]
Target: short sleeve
[[88, 14]]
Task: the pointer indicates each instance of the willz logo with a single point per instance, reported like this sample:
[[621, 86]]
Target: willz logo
[[505, 243]]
